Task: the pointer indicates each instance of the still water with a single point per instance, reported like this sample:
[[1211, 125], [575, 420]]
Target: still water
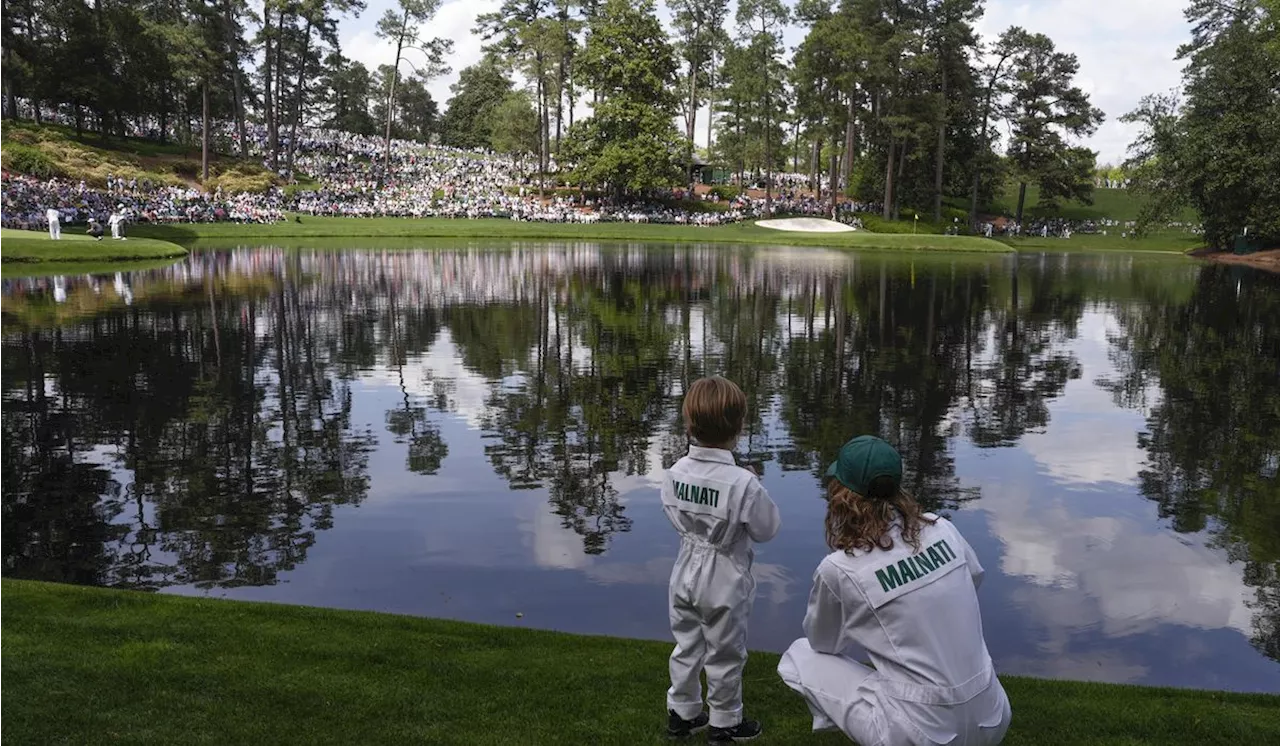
[[479, 434]]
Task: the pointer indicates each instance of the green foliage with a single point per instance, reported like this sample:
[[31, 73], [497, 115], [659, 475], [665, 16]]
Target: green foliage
[[241, 179], [1214, 153], [481, 89], [726, 191], [514, 129], [629, 143], [25, 159], [1046, 109]]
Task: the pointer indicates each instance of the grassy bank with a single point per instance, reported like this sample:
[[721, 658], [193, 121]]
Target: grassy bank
[[32, 246], [1115, 204], [46, 151], [93, 666], [1168, 242], [365, 228]]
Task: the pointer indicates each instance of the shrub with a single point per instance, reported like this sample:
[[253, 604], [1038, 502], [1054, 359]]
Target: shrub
[[725, 192], [238, 180], [25, 159]]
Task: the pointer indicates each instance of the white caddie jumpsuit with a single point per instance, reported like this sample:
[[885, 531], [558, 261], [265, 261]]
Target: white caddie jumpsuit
[[55, 223], [915, 613], [719, 508]]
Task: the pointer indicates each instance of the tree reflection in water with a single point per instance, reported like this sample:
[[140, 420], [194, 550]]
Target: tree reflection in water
[[204, 430]]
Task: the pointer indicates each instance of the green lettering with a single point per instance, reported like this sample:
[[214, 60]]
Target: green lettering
[[715, 498], [908, 572], [936, 556], [700, 494], [889, 578], [923, 563], [947, 547]]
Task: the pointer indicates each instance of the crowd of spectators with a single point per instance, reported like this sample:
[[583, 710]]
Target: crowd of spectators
[[334, 173]]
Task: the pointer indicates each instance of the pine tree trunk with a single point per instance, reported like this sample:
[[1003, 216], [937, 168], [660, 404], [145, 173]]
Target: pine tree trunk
[[942, 146], [9, 101], [237, 89], [711, 103], [886, 209], [391, 97], [692, 118], [204, 132], [849, 130], [815, 168], [834, 189], [298, 100], [268, 76], [983, 145], [902, 162]]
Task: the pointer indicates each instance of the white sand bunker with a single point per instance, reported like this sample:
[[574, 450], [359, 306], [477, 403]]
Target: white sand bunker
[[806, 225]]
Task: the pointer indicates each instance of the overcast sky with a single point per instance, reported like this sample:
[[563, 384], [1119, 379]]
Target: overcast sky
[[1126, 48]]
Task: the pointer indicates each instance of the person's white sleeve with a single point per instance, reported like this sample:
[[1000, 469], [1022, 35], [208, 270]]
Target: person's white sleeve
[[761, 515], [824, 619], [970, 559]]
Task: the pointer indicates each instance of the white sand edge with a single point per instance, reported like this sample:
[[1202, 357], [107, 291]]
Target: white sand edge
[[806, 225]]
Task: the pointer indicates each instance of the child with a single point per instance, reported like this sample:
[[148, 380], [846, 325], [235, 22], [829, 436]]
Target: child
[[719, 509]]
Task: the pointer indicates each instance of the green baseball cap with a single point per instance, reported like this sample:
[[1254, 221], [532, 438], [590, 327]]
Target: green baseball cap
[[864, 459]]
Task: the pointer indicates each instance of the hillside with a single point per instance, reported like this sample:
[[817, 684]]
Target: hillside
[[46, 151], [1116, 204]]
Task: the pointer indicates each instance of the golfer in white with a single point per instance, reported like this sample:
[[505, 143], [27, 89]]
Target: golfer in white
[[901, 584], [55, 223]]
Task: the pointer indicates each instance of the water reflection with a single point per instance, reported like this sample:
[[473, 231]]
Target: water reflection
[[214, 425]]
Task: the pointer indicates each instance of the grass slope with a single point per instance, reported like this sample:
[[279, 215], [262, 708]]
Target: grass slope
[[35, 246], [327, 227], [88, 665], [49, 150], [1168, 242], [1116, 204]]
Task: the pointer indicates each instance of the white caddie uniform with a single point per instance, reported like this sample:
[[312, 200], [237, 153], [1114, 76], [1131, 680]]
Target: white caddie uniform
[[55, 223], [719, 509], [915, 613]]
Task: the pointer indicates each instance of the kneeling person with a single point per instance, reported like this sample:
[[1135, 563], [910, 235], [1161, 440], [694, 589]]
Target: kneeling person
[[902, 584]]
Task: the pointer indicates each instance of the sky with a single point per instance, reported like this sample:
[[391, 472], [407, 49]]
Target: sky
[[1126, 48]]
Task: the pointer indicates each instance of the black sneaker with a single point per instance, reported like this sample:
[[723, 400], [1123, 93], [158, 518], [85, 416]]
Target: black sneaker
[[744, 731], [678, 727]]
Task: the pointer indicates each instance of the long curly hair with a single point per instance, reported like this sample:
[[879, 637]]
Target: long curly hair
[[862, 522]]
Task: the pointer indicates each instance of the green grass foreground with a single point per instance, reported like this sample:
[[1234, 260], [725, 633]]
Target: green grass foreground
[[86, 665], [493, 228], [75, 246]]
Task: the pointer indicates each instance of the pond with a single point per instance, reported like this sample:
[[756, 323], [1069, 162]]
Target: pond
[[478, 433]]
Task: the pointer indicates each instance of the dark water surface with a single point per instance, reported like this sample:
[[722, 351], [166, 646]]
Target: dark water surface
[[478, 433]]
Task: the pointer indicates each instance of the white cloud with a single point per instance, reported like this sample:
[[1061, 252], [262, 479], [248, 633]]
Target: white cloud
[[455, 20], [1126, 50], [439, 371], [1108, 573], [1088, 440]]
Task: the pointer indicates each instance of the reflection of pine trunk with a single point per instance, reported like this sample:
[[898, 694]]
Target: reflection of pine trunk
[[884, 291], [840, 340]]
